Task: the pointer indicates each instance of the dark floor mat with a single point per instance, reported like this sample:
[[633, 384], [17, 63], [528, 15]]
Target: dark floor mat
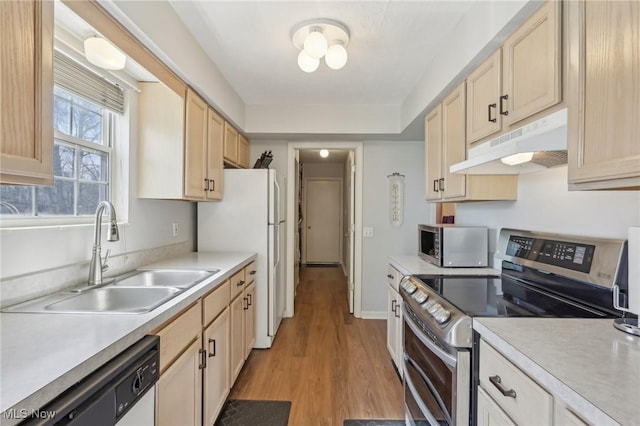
[[374, 422], [245, 412]]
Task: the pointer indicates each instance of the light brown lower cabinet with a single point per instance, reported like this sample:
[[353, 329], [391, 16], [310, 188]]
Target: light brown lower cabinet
[[202, 350], [216, 385], [237, 338], [179, 390], [249, 320]]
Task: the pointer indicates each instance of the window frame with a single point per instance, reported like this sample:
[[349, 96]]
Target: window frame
[[110, 123]]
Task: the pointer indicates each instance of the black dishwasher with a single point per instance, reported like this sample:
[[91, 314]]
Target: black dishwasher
[[106, 395]]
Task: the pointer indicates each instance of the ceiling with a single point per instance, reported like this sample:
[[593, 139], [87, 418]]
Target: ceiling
[[313, 156], [391, 45]]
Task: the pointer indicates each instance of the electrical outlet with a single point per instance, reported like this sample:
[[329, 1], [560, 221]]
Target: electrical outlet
[[174, 229], [367, 231]]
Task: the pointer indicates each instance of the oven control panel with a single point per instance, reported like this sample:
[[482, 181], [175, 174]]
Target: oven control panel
[[573, 256], [427, 304]]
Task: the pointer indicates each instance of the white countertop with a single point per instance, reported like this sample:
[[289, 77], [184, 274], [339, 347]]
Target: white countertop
[[414, 265], [43, 354], [592, 366]]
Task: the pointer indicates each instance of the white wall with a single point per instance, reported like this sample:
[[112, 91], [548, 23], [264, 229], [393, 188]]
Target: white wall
[[323, 170], [26, 251], [545, 204], [382, 159]]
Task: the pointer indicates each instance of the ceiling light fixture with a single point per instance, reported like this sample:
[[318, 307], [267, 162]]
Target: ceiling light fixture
[[320, 38], [324, 153], [103, 54]]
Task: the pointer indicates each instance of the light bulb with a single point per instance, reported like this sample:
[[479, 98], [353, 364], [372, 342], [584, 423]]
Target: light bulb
[[324, 153], [315, 44], [306, 62], [103, 54], [519, 158], [336, 56]]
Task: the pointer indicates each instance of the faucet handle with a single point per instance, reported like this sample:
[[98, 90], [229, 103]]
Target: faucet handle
[[105, 266]]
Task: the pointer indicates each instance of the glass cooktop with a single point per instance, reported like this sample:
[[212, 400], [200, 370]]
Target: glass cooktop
[[505, 296]]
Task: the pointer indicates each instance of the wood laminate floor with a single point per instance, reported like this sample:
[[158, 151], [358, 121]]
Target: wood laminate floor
[[330, 365]]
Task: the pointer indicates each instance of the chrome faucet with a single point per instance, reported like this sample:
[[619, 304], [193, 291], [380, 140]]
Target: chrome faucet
[[98, 265]]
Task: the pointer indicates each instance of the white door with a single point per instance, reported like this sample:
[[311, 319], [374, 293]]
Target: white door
[[323, 220], [351, 230]]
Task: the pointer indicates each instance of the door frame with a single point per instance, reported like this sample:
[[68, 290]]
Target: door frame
[[292, 150], [305, 199]]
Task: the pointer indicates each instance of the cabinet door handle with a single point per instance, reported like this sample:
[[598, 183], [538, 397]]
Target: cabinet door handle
[[493, 120], [245, 307], [503, 111], [393, 305], [441, 184], [212, 352], [213, 185], [249, 300], [435, 185], [397, 311], [497, 382], [206, 184], [203, 358]]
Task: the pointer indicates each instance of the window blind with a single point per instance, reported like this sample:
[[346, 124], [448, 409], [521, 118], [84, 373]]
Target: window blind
[[77, 79]]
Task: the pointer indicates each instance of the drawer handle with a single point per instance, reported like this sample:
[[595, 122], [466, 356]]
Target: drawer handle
[[212, 353], [252, 272], [390, 276], [240, 283], [503, 111], [497, 382], [489, 107], [203, 358]]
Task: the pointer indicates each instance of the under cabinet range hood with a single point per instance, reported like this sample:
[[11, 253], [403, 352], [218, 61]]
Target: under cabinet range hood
[[538, 145]]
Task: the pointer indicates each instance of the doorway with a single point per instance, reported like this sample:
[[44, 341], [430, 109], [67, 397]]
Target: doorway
[[337, 192], [323, 221]]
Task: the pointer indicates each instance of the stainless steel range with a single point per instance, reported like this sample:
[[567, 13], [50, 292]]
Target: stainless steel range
[[543, 275]]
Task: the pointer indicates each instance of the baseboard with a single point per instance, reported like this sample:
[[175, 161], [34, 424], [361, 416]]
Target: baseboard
[[373, 315]]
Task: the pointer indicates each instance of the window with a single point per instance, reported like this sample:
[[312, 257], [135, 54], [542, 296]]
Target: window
[[84, 127], [81, 158]]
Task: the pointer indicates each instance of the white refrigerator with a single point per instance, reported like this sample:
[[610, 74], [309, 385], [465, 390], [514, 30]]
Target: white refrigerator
[[249, 219]]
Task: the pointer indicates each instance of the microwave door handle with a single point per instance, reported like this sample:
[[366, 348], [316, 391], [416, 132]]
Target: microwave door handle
[[447, 358], [416, 396]]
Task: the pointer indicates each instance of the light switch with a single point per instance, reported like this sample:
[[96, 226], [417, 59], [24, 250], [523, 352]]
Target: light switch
[[367, 232]]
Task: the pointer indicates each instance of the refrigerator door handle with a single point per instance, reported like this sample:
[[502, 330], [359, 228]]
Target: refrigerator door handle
[[276, 235]]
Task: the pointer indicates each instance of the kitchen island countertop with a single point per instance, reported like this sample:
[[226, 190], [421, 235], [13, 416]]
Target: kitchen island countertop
[[43, 354], [593, 367]]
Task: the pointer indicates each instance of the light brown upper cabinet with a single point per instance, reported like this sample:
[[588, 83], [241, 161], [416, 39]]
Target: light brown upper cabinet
[[215, 163], [520, 79], [230, 143], [179, 145], [26, 92], [236, 148], [243, 152], [195, 147], [604, 94], [445, 144]]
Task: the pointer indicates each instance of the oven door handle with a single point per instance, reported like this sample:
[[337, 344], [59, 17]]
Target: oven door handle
[[416, 396], [432, 389], [447, 358]]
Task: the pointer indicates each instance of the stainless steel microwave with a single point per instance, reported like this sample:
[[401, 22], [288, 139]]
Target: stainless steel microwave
[[454, 246]]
